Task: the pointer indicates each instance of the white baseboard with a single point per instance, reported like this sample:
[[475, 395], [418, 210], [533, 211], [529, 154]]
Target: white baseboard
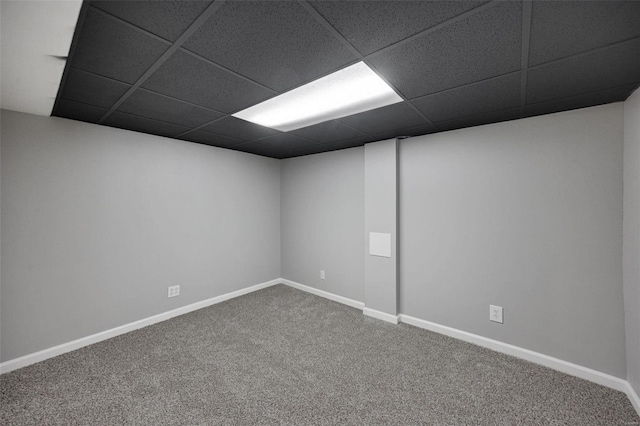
[[536, 357], [325, 294], [633, 397], [393, 319], [576, 370], [35, 357]]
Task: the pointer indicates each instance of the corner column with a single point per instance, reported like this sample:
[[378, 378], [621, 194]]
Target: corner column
[[381, 230]]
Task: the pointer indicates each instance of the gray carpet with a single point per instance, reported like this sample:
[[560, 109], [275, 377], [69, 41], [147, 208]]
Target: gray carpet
[[281, 356]]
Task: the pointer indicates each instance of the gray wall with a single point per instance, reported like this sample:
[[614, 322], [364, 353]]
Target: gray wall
[[98, 222], [632, 236], [380, 215], [323, 221], [526, 215]]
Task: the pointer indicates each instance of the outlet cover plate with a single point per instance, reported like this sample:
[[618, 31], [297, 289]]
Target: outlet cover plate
[[173, 291], [495, 313]]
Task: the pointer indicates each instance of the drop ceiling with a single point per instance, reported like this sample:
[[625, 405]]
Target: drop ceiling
[[179, 69]]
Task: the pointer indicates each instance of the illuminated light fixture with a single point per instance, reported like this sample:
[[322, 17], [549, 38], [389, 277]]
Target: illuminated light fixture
[[349, 91]]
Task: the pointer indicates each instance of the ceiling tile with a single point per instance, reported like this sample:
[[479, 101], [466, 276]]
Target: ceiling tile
[[277, 44], [158, 107], [372, 25], [350, 143], [602, 69], [241, 129], [258, 149], [288, 145], [484, 45], [478, 120], [419, 130], [600, 97], [112, 49], [78, 111], [92, 89], [386, 119], [329, 131], [286, 140], [144, 125], [562, 28], [317, 149], [477, 98], [410, 131], [211, 139], [167, 19], [188, 78], [465, 73], [280, 151]]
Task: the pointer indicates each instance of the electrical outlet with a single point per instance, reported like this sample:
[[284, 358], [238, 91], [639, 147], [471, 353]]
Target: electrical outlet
[[495, 313], [322, 275], [174, 291]]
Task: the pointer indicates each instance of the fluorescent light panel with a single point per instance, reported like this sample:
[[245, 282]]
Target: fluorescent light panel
[[349, 91]]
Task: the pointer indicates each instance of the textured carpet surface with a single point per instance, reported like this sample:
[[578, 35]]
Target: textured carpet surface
[[281, 356]]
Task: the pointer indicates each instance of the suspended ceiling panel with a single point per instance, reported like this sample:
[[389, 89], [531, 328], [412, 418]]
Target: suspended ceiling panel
[[180, 68]]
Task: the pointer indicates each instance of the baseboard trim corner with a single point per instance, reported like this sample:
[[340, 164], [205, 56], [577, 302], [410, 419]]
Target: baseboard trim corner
[[576, 370], [393, 319], [633, 397], [322, 293], [33, 358]]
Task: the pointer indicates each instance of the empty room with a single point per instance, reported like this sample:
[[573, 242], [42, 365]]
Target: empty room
[[319, 212]]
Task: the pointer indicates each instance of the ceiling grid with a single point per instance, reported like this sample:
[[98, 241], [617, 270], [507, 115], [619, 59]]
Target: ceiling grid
[[168, 53], [526, 40], [180, 68]]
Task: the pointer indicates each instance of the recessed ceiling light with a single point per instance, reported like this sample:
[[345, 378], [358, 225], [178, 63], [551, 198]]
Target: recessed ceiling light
[[349, 91]]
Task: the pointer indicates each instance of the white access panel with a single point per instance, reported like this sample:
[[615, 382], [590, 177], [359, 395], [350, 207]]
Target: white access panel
[[379, 244]]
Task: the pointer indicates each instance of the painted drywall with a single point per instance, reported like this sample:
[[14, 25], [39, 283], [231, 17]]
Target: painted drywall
[[97, 222], [323, 221], [526, 215], [631, 247], [380, 216]]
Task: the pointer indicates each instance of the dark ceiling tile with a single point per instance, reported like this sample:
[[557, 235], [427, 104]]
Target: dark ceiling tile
[[350, 143], [484, 45], [188, 78], [241, 129], [477, 98], [211, 139], [410, 131], [386, 119], [478, 120], [600, 97], [258, 149], [419, 130], [277, 44], [602, 69], [563, 28], [329, 131], [143, 125], [161, 108], [167, 19], [372, 25], [288, 145], [286, 140], [281, 152], [317, 149], [112, 49], [92, 89], [78, 111]]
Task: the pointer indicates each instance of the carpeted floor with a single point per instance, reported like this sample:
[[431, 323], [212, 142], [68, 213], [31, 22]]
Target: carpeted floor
[[282, 356]]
